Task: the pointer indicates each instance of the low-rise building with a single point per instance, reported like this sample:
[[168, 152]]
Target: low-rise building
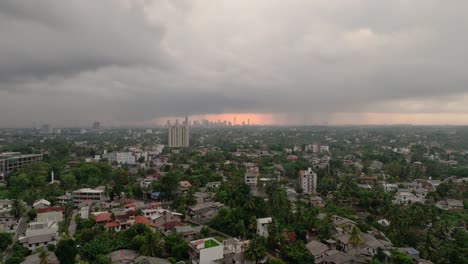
[[206, 251], [406, 197], [451, 205], [42, 203], [203, 213], [88, 194]]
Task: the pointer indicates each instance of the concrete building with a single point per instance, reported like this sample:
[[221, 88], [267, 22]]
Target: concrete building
[[120, 158], [308, 180], [87, 194], [206, 251], [178, 136], [10, 161], [40, 234], [251, 176], [262, 226]]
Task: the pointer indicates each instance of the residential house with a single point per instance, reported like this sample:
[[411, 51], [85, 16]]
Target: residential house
[[451, 205], [233, 251], [202, 197], [184, 185], [40, 234], [5, 216], [317, 249], [317, 201], [42, 203], [343, 224], [206, 251], [187, 232], [406, 197], [203, 213]]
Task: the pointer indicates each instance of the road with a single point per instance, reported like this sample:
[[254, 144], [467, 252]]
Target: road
[[72, 226], [20, 229]]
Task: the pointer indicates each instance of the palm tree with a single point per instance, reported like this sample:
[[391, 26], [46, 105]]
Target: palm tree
[[152, 246], [17, 209], [256, 249], [355, 237], [43, 255]]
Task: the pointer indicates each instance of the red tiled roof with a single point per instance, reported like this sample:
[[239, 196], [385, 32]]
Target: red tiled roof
[[291, 236], [141, 220], [172, 224], [104, 217], [129, 205], [50, 209], [112, 224]]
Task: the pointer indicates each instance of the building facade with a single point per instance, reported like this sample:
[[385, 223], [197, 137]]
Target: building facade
[[178, 136], [10, 161], [120, 158], [308, 181], [87, 194]]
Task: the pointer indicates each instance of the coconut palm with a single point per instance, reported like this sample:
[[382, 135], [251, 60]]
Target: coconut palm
[[256, 249], [43, 255], [152, 246], [17, 209], [355, 237]]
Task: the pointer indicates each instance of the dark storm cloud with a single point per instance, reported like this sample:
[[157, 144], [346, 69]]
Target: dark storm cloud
[[43, 38], [128, 61]]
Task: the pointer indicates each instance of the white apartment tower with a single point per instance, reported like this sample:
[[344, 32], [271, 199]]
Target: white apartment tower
[[308, 181], [178, 136]]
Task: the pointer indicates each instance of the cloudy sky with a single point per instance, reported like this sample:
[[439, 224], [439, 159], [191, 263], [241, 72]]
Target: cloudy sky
[[127, 62]]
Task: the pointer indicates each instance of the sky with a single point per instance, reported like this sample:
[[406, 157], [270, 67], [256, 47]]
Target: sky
[[140, 62]]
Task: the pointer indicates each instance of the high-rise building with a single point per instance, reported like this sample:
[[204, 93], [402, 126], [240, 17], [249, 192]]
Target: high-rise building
[[178, 136], [308, 181], [96, 126]]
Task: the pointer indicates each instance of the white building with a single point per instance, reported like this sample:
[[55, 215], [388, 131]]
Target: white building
[[42, 203], [88, 194], [308, 181], [206, 251], [120, 158], [405, 197], [178, 136], [262, 226], [40, 234]]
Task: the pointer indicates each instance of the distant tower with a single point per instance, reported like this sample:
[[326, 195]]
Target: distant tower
[[234, 120], [248, 122], [96, 126], [186, 120]]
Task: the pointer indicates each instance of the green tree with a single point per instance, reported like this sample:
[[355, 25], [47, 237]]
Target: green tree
[[176, 246], [297, 253], [66, 251], [17, 209], [256, 250], [355, 237], [400, 258], [43, 255], [152, 246], [5, 240]]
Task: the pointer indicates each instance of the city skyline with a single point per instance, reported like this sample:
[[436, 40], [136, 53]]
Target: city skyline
[[310, 62]]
